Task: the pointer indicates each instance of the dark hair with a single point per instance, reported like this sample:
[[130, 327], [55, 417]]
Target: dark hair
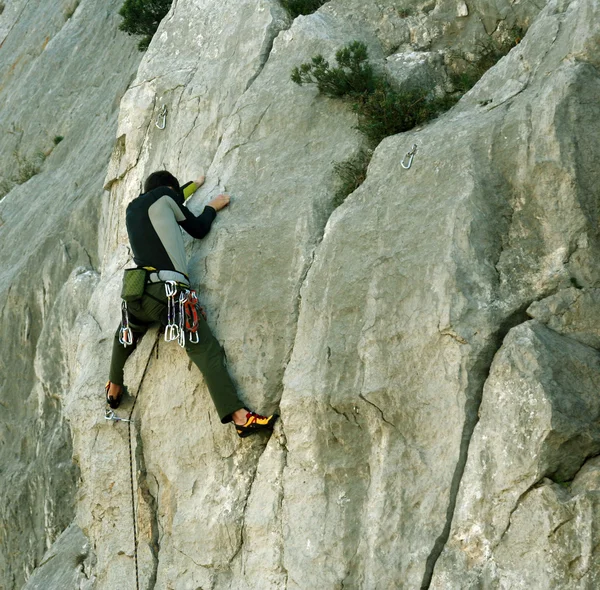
[[160, 178]]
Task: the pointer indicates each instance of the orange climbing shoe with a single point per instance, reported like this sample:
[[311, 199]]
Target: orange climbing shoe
[[113, 402], [255, 423]]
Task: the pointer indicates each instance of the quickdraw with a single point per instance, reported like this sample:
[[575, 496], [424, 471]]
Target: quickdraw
[[161, 120], [183, 309], [411, 156], [172, 329], [125, 333], [110, 415], [183, 297], [192, 307]]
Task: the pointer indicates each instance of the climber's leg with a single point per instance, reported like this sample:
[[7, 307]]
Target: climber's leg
[[207, 354]]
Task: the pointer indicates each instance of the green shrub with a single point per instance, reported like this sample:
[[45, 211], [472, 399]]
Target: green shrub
[[57, 139], [353, 75], [351, 174], [22, 170], [386, 111], [27, 167], [142, 17], [489, 52], [381, 109], [298, 7]]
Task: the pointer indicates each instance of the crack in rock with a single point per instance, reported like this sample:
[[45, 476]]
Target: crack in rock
[[377, 408], [151, 503], [480, 372]]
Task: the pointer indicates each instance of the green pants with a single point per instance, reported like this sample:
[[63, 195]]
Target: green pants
[[207, 354]]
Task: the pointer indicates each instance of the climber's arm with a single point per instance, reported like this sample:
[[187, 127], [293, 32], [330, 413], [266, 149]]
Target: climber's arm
[[198, 226], [191, 187]]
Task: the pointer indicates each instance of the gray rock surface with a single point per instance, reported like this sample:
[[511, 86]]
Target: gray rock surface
[[65, 565], [524, 488], [401, 460], [572, 312], [61, 74]]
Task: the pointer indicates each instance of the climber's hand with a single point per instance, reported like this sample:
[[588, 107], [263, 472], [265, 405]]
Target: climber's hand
[[219, 202]]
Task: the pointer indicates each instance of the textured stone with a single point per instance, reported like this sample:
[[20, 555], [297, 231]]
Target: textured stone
[[64, 75], [371, 326], [572, 312], [539, 419], [419, 70], [65, 565]]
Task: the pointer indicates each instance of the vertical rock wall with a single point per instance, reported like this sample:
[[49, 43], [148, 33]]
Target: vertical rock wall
[[429, 429], [63, 70]]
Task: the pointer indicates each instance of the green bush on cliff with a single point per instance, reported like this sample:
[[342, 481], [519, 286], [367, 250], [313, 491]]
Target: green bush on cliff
[[352, 77], [381, 109], [351, 174], [467, 70], [298, 7], [142, 17]]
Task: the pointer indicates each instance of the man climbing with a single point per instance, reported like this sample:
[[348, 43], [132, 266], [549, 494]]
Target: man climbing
[[153, 222]]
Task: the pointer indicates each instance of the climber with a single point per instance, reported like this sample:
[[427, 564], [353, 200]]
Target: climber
[[153, 223]]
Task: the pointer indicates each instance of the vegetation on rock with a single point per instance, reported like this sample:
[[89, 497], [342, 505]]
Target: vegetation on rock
[[142, 17], [24, 168], [469, 69], [382, 109], [351, 174], [299, 7]]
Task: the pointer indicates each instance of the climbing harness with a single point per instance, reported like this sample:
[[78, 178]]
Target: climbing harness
[[161, 120], [125, 333], [182, 314], [410, 155]]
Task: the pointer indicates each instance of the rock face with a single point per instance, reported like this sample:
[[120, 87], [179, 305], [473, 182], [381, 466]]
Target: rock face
[[432, 434], [527, 484], [63, 70]]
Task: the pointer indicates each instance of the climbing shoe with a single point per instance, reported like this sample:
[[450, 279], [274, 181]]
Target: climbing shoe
[[113, 402], [255, 423]]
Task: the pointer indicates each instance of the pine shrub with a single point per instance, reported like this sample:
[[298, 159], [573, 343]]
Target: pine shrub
[[381, 109], [142, 17], [352, 77], [298, 7], [351, 174]]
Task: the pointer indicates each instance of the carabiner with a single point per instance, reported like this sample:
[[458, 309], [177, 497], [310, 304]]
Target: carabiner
[[170, 288], [110, 415], [171, 332], [161, 120], [126, 336], [410, 155]]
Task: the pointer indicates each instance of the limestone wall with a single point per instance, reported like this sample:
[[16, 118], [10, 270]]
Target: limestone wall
[[432, 433]]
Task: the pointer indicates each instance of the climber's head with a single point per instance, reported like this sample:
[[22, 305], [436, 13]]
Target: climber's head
[[161, 178]]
